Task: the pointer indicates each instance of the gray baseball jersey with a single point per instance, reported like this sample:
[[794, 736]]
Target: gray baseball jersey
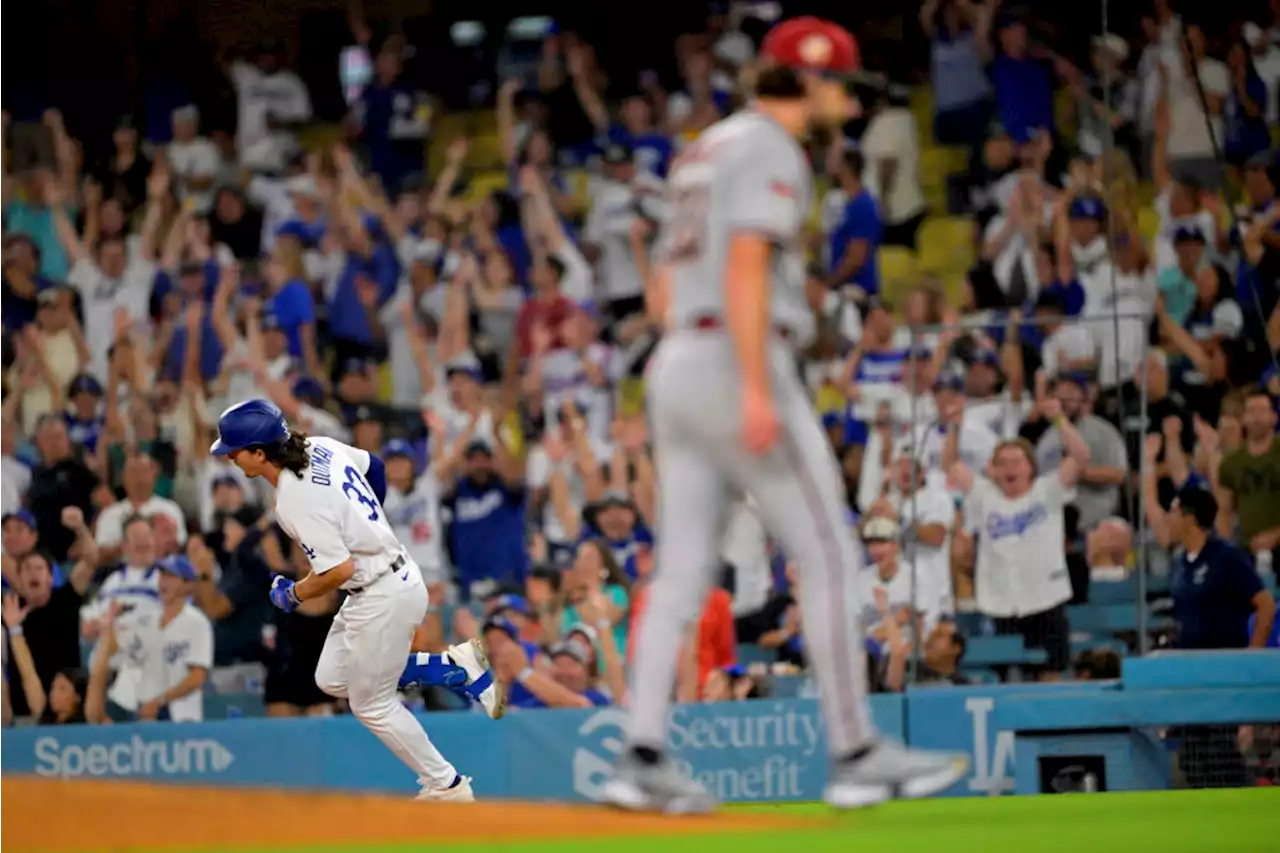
[[744, 173]]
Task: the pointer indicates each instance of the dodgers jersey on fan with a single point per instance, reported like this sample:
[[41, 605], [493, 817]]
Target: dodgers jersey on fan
[[414, 517], [743, 174], [332, 512]]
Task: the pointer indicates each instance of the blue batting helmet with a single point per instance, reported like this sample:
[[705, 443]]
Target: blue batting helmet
[[254, 422]]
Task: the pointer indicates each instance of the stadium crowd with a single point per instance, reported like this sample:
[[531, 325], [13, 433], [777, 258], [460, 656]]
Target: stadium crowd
[[1102, 361]]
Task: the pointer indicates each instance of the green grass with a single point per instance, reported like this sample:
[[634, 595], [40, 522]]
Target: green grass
[[1239, 821]]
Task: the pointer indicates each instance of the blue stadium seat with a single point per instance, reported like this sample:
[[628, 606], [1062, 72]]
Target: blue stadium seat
[[749, 654], [1000, 651]]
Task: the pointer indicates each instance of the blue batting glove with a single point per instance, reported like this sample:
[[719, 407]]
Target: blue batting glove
[[282, 594]]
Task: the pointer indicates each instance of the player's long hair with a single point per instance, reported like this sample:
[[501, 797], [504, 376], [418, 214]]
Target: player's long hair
[[290, 454], [776, 81]]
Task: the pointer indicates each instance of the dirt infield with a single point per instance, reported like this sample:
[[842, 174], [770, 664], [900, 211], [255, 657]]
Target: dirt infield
[[53, 815]]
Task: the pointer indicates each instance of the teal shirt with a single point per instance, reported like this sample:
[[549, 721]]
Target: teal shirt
[[1179, 293], [618, 597], [36, 222]]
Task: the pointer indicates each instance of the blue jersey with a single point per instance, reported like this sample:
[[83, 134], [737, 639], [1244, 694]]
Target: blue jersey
[[395, 120], [860, 220], [293, 308], [876, 372], [651, 150], [625, 549], [487, 532], [84, 433], [347, 318]]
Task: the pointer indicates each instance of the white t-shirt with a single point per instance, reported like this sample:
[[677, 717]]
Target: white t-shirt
[[1268, 68], [109, 531], [15, 479], [272, 195], [415, 519], [1188, 133], [333, 514], [1069, 342], [101, 296], [280, 94], [608, 225], [1135, 298], [892, 135], [1021, 568], [198, 159], [1000, 413], [186, 642], [901, 590], [975, 444]]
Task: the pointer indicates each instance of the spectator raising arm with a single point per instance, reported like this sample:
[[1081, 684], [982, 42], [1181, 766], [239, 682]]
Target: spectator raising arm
[[589, 99], [29, 680], [1076, 463], [507, 120], [72, 244], [542, 223], [448, 177], [558, 491]]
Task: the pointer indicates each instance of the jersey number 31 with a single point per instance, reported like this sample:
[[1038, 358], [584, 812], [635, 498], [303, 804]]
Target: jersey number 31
[[355, 489]]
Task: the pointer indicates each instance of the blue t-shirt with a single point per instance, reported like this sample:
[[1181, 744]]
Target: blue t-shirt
[[293, 308], [211, 352], [18, 312], [1213, 597], [1072, 294], [859, 221], [394, 122], [1024, 94], [83, 433], [486, 536], [347, 318], [652, 150], [1246, 135]]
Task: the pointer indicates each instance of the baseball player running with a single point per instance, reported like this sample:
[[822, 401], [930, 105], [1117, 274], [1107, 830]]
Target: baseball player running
[[729, 413], [328, 500]]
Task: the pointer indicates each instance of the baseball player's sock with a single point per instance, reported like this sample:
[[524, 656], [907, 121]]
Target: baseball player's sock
[[646, 755], [457, 780], [433, 670]]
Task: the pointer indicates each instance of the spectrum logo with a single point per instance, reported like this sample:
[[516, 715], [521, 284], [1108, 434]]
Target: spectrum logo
[[135, 757]]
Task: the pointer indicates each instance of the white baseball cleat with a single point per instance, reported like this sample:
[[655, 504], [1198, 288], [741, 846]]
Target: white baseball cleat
[[459, 793], [482, 684]]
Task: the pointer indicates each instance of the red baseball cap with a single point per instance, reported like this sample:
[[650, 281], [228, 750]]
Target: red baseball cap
[[812, 44]]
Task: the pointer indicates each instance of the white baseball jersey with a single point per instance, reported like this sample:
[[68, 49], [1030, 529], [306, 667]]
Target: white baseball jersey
[[186, 642], [415, 519], [138, 638], [332, 512], [1020, 567]]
